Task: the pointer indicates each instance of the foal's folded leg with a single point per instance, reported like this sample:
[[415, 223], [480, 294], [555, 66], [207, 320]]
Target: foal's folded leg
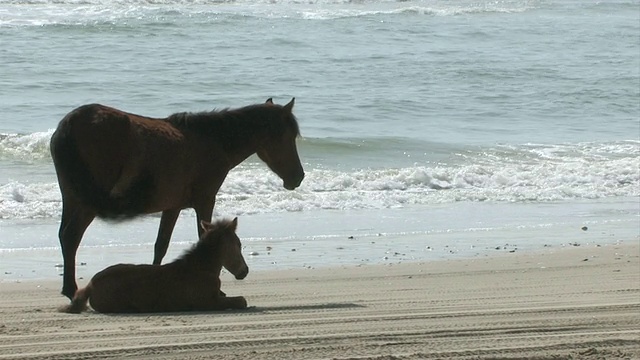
[[230, 302]]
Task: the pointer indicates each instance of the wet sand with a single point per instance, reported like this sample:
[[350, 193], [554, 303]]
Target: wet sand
[[561, 303]]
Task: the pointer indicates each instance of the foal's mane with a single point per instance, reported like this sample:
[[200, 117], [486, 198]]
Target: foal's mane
[[204, 248], [229, 125]]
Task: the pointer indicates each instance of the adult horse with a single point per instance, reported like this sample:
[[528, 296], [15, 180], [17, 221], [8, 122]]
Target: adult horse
[[116, 165]]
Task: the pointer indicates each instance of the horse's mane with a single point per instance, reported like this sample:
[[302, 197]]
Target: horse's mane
[[210, 239], [230, 125]]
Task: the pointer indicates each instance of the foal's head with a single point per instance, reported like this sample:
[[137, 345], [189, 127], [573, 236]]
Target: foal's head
[[279, 151], [226, 245]]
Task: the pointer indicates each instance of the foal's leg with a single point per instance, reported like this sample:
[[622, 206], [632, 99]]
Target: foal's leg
[[75, 220], [231, 302], [167, 223]]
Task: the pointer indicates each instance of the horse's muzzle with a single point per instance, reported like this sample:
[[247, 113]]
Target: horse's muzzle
[[294, 183]]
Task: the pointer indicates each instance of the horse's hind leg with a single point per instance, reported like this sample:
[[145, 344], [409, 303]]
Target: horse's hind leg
[[75, 220], [167, 223]]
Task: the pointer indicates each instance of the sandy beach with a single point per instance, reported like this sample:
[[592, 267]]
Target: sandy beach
[[579, 302]]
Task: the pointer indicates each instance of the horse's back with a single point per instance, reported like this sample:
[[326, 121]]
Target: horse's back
[[89, 118]]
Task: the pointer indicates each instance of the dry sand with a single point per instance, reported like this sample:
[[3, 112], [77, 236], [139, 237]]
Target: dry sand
[[569, 303]]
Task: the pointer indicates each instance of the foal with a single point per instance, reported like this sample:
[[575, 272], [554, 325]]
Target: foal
[[190, 283]]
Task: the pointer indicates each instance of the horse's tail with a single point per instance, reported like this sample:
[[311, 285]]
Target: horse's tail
[[75, 175], [79, 302]]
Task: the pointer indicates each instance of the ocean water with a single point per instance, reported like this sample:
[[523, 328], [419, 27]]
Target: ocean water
[[441, 123]]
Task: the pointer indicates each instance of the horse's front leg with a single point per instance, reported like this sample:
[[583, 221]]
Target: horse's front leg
[[167, 223], [204, 211]]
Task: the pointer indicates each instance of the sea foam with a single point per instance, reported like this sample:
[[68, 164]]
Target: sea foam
[[29, 147], [530, 174], [92, 12]]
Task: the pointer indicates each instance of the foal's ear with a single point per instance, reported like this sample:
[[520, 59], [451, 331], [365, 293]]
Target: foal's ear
[[234, 223], [269, 101], [205, 225], [289, 106]]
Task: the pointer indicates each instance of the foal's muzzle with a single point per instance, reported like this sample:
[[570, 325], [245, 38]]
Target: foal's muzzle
[[242, 274]]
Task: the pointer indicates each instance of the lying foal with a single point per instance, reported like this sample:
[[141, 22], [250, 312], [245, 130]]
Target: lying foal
[[192, 282]]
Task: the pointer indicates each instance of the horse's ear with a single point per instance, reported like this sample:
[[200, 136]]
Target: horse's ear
[[205, 225], [269, 101], [234, 223], [289, 106]]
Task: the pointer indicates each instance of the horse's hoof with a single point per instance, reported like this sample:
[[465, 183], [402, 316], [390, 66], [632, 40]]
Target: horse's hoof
[[68, 293]]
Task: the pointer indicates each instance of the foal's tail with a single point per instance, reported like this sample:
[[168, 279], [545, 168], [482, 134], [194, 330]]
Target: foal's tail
[[79, 302]]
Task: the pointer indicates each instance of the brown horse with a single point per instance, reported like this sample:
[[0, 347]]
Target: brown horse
[[117, 165], [191, 283]]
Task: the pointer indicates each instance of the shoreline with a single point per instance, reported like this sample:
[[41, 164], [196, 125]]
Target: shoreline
[[559, 303], [30, 249]]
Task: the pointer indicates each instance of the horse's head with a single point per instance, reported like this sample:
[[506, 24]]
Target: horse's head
[[229, 246], [279, 151]]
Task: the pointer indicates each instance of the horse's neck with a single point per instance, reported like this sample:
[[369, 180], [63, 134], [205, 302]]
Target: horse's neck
[[237, 150], [240, 154], [246, 142]]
